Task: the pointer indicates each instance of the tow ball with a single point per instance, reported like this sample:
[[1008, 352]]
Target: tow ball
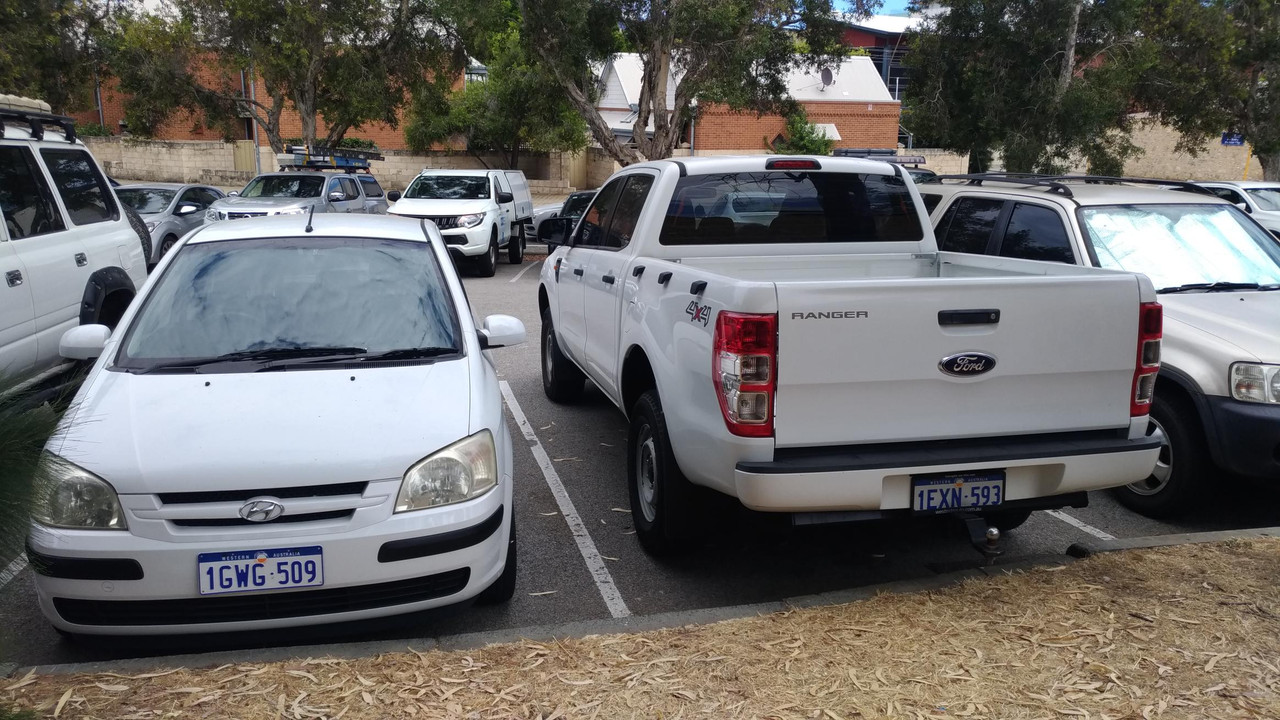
[[985, 537]]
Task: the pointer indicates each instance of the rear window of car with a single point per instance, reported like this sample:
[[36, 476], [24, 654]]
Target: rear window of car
[[371, 187], [790, 207]]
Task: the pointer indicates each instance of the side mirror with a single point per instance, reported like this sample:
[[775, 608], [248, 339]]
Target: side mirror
[[501, 331], [187, 210], [555, 231], [505, 197], [1244, 206], [84, 342], [234, 193], [337, 196], [393, 196]]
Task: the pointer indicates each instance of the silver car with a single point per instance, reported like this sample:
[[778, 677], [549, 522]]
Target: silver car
[[170, 210], [1259, 198], [295, 192]]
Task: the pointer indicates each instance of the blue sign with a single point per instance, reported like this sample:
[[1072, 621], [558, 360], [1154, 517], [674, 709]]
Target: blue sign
[[1230, 138]]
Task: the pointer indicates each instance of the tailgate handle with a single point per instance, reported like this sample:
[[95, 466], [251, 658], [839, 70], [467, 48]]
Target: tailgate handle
[[968, 317]]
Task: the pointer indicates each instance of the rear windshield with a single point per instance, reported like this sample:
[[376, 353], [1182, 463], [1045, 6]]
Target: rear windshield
[[448, 187], [790, 207], [284, 186]]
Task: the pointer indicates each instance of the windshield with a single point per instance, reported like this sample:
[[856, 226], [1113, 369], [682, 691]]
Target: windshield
[[1182, 244], [1268, 198], [146, 200], [361, 295], [576, 205], [283, 186], [790, 207], [448, 187]]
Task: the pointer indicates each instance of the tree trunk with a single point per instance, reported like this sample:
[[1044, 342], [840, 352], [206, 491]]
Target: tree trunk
[[1069, 54], [1270, 166], [306, 108], [599, 128]]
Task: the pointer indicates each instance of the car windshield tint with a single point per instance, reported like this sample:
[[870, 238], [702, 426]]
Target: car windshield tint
[[283, 186], [1268, 198], [1182, 244], [790, 207], [274, 294], [576, 205], [146, 200], [448, 187]]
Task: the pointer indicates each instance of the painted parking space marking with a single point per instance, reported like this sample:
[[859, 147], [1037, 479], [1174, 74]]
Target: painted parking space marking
[[11, 570], [527, 269], [586, 546], [1080, 524]]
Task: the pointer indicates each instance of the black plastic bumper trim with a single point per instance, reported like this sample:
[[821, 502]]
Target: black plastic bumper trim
[[83, 568], [441, 543], [994, 450]]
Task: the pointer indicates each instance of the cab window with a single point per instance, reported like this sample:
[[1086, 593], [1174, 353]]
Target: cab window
[[968, 224]]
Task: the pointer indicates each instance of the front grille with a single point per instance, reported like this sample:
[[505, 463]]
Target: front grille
[[273, 606], [243, 215], [445, 223], [239, 522], [305, 491]]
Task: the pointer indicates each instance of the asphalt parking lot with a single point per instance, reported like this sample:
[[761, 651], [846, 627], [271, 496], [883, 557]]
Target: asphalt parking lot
[[579, 559]]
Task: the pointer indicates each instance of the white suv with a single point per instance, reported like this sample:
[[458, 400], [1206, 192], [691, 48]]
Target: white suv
[[69, 254]]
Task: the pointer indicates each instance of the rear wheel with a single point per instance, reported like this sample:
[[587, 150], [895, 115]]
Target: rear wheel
[[1182, 467], [487, 264], [561, 379], [515, 247], [664, 504]]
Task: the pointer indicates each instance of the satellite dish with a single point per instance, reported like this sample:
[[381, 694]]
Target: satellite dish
[[827, 79]]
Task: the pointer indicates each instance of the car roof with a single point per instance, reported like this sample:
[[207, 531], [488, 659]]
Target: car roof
[[390, 227], [155, 186], [461, 173], [1082, 193], [756, 163], [1241, 183], [304, 173]]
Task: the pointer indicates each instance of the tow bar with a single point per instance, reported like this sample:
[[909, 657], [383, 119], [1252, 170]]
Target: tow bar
[[984, 536]]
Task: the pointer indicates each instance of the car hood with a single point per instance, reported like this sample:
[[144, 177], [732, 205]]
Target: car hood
[[1248, 320], [263, 203], [438, 208], [180, 433]]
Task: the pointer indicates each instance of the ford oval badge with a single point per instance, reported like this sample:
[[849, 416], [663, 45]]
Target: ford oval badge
[[967, 364]]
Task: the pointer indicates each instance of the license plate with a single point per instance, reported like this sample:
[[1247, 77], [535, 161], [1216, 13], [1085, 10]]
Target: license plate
[[957, 491], [251, 570]]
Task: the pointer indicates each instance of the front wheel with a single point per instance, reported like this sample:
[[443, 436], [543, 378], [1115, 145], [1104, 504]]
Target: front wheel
[[515, 247], [664, 504], [487, 264], [1178, 479], [561, 380], [167, 244]]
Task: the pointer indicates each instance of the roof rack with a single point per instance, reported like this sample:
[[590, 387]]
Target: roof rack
[[1110, 180], [302, 157], [37, 122], [1057, 182], [1016, 178], [882, 154]]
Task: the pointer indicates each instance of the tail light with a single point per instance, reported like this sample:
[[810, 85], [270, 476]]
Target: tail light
[[744, 359], [1150, 330]]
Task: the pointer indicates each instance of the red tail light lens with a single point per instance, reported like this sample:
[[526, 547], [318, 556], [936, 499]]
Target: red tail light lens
[[743, 360], [1147, 366], [792, 165]]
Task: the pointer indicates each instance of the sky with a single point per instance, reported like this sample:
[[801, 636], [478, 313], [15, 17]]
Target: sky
[[893, 7]]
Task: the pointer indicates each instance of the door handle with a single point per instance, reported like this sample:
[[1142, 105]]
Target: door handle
[[81, 260], [13, 277], [609, 279], [577, 271]]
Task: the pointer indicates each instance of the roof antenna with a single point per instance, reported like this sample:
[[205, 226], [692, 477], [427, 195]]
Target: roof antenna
[[309, 215]]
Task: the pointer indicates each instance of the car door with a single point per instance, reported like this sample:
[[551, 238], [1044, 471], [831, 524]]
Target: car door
[[340, 202], [604, 284], [572, 269], [185, 222], [17, 313], [969, 224], [506, 211], [375, 199], [1036, 232], [1231, 195]]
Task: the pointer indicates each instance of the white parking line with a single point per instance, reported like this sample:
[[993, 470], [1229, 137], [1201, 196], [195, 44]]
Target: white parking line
[[527, 269], [595, 563], [1077, 523], [11, 571]]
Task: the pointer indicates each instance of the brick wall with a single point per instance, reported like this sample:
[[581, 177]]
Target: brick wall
[[161, 160], [1160, 160], [943, 162], [859, 124]]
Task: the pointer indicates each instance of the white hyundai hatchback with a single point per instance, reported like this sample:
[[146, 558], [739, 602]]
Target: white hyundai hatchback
[[294, 423]]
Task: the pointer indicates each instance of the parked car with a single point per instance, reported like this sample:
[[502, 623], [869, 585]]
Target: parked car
[[170, 210], [572, 207], [1259, 198], [297, 423], [824, 360], [477, 211], [1217, 400], [68, 253], [298, 192]]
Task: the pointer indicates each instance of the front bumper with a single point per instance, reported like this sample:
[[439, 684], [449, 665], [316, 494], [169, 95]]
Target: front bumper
[[878, 477], [1248, 437], [398, 564], [468, 242]]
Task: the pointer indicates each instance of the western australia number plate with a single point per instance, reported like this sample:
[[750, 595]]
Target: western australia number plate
[[250, 570], [957, 491]]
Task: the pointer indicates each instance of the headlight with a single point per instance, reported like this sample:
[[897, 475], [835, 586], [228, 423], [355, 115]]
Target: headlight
[[292, 211], [72, 497], [470, 221], [211, 215], [151, 225], [464, 470], [1252, 382]]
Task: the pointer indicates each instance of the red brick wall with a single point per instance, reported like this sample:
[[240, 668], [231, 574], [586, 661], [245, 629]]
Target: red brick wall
[[854, 37], [860, 125]]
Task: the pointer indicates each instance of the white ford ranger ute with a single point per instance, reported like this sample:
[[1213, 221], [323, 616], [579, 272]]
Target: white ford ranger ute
[[784, 330]]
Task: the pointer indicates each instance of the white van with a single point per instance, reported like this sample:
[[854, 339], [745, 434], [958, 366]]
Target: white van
[[477, 212]]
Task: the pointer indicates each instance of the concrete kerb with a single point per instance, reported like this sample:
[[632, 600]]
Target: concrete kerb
[[1092, 547]]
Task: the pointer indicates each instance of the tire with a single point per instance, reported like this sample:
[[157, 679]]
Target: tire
[[167, 244], [1182, 469], [487, 264], [140, 227], [664, 504], [1007, 520], [562, 381], [515, 248], [504, 588]]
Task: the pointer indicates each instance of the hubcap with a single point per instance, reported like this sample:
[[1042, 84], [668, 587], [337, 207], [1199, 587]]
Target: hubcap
[[646, 473], [1163, 471], [547, 340]]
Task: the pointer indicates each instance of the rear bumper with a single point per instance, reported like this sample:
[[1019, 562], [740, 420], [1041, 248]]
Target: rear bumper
[[878, 477], [1248, 437]]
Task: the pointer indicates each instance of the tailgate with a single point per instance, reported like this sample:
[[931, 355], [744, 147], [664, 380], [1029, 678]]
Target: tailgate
[[859, 361]]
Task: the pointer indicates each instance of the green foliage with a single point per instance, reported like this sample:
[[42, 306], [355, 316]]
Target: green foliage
[[802, 138], [517, 108], [347, 143], [23, 432], [17, 714], [93, 130], [49, 49]]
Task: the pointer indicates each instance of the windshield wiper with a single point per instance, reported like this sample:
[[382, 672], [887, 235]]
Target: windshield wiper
[[409, 354], [264, 355], [1215, 287]]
